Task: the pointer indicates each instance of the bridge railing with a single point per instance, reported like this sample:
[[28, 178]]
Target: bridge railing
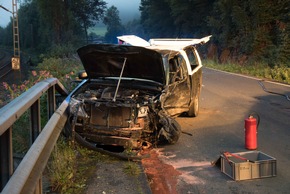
[[27, 177]]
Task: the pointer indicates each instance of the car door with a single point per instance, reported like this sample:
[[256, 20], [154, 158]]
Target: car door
[[176, 96], [195, 75]]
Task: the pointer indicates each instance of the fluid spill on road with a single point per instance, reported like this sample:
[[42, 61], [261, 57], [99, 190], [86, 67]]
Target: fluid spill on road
[[162, 177]]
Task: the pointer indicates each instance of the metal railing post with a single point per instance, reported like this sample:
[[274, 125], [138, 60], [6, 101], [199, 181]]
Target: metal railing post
[[38, 188], [51, 104], [6, 157], [35, 120]]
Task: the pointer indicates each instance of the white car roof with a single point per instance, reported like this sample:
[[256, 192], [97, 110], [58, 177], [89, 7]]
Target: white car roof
[[132, 40], [161, 43]]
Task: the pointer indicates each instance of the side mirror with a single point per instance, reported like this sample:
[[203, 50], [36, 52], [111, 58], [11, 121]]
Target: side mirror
[[82, 75]]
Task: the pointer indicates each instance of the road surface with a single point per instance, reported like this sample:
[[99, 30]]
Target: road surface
[[226, 100]]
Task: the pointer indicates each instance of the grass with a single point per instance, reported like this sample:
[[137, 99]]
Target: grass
[[277, 73], [70, 166], [61, 167], [132, 168]]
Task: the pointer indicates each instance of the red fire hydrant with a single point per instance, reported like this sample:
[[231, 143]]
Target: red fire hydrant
[[251, 132]]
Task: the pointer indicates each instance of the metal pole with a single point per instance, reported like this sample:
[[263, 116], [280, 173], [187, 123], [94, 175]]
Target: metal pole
[[51, 104], [16, 43], [6, 158], [35, 121]]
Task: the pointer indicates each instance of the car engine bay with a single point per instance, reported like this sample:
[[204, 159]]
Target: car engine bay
[[133, 119]]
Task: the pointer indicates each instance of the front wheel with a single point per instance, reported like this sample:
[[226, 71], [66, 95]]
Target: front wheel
[[194, 107], [170, 131]]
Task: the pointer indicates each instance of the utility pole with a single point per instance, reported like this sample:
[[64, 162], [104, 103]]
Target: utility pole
[[16, 43]]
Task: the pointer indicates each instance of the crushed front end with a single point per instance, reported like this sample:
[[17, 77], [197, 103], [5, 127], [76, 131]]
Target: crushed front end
[[133, 120]]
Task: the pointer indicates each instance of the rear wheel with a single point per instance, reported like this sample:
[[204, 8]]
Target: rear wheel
[[194, 107]]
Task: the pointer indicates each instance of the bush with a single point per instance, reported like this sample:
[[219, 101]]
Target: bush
[[60, 51], [277, 73], [61, 167], [65, 69], [63, 160]]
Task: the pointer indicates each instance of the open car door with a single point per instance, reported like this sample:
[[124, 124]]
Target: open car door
[[176, 98]]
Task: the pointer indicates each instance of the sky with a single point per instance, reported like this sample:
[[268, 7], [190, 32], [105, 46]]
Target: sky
[[4, 15], [128, 10]]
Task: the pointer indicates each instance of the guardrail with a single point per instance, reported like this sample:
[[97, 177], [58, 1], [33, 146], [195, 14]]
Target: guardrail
[[27, 177]]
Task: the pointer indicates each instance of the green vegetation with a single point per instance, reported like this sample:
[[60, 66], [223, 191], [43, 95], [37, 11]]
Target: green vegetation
[[281, 74], [132, 168], [59, 63], [20, 134], [243, 31], [249, 37], [64, 69], [61, 167], [43, 24], [70, 166], [113, 23]]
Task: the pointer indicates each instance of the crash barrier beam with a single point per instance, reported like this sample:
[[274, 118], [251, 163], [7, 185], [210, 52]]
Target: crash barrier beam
[[27, 176]]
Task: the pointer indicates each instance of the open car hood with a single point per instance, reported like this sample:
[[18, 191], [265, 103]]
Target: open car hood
[[106, 60]]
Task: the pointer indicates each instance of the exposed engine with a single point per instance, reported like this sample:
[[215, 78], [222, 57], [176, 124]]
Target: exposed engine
[[129, 121], [132, 119]]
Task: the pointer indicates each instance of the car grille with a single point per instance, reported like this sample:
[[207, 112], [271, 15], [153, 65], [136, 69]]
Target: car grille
[[111, 116]]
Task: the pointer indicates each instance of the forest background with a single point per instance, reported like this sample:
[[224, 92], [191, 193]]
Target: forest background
[[244, 32], [252, 34]]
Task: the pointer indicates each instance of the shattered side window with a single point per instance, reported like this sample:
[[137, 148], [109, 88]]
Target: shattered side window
[[172, 70], [191, 57], [175, 70], [182, 66]]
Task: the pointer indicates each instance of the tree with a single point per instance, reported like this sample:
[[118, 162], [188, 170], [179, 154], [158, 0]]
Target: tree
[[190, 16], [175, 18], [53, 13], [156, 19], [135, 27], [255, 29], [113, 23], [64, 17], [29, 21], [88, 12], [7, 36]]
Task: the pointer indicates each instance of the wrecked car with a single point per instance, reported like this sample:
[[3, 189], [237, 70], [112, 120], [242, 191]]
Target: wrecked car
[[130, 94]]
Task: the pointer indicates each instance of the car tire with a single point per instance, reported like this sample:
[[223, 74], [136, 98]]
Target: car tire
[[170, 132], [194, 107], [175, 131]]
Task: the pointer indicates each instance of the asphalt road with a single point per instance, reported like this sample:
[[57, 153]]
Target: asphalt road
[[226, 100]]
